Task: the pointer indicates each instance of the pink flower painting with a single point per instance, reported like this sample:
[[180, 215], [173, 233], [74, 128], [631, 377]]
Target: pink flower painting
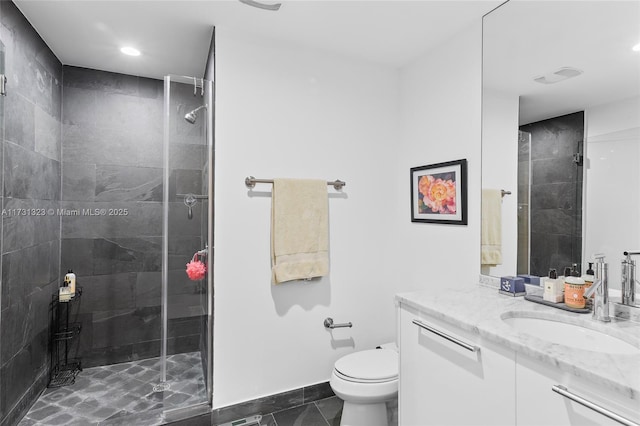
[[437, 193]]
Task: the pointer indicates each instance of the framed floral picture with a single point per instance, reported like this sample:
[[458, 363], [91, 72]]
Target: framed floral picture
[[439, 193]]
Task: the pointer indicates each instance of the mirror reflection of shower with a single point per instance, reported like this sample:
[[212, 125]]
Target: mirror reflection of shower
[[550, 176]]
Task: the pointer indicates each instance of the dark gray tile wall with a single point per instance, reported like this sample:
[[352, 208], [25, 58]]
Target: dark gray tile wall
[[31, 169], [112, 145], [556, 192]]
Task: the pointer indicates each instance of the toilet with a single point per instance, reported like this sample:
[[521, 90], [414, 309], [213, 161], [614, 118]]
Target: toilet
[[365, 381]]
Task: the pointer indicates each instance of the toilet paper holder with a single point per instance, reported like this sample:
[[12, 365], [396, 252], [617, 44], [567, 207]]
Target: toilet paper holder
[[328, 323]]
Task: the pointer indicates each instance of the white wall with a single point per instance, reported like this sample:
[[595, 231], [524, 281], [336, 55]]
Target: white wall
[[612, 197], [284, 111], [500, 170], [440, 121]]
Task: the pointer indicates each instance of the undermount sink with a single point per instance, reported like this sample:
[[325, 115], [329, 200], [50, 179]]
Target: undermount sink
[[571, 335]]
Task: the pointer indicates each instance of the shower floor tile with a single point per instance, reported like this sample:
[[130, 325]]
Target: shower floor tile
[[122, 394]]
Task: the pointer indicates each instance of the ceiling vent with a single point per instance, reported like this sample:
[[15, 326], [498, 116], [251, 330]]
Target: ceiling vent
[[558, 75]]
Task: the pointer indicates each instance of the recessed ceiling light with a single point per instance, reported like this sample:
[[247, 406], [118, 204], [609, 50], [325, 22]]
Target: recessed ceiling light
[[131, 51], [636, 48], [273, 7]]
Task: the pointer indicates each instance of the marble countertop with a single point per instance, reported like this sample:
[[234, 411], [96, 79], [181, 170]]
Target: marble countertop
[[480, 310]]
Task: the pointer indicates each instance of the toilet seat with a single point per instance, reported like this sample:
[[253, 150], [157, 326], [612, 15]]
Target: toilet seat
[[370, 366]]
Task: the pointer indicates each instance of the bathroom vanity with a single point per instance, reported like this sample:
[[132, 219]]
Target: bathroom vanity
[[473, 356]]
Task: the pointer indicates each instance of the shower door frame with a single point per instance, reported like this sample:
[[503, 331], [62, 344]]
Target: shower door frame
[[180, 413]]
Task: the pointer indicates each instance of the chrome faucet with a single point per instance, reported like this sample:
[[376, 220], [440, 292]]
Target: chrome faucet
[[600, 290], [629, 279]]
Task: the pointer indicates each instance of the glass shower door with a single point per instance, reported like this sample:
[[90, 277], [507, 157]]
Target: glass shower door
[[3, 303], [186, 351]]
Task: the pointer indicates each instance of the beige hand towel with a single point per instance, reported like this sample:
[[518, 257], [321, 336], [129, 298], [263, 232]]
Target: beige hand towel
[[299, 229], [491, 238]]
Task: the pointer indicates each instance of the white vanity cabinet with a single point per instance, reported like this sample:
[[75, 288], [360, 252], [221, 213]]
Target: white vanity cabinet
[[449, 377], [462, 364], [539, 405]]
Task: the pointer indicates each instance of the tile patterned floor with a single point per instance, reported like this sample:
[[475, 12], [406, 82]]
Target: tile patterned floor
[[121, 394], [324, 412]]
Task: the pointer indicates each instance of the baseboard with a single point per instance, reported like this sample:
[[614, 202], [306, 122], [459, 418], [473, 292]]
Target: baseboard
[[273, 403]]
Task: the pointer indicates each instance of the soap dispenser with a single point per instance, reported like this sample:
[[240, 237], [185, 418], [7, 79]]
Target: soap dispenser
[[553, 288], [70, 282], [574, 270], [588, 278]]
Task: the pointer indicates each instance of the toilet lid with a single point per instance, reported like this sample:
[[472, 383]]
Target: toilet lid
[[373, 364]]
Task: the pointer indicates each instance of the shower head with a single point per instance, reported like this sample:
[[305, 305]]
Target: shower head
[[192, 115]]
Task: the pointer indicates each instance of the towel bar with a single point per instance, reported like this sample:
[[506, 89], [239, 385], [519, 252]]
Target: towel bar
[[251, 181]]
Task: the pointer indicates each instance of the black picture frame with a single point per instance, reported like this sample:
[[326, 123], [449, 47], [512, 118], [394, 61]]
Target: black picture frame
[[439, 193]]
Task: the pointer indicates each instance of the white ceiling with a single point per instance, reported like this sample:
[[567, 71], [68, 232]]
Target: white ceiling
[[174, 36], [526, 39], [522, 39]]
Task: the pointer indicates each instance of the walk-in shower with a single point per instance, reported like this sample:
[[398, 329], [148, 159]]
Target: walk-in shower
[[95, 184], [144, 323]]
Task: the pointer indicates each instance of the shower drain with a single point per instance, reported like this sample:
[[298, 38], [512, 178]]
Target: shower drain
[[247, 421], [161, 387]]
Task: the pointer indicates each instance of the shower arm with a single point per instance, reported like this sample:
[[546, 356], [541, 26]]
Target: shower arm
[[199, 108]]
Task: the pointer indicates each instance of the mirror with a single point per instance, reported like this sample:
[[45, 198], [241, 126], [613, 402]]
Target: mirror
[[560, 70]]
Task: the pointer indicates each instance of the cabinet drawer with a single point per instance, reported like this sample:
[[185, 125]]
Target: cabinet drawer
[[448, 378], [539, 404]]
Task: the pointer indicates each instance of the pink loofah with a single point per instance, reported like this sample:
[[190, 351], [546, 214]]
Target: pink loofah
[[196, 269]]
